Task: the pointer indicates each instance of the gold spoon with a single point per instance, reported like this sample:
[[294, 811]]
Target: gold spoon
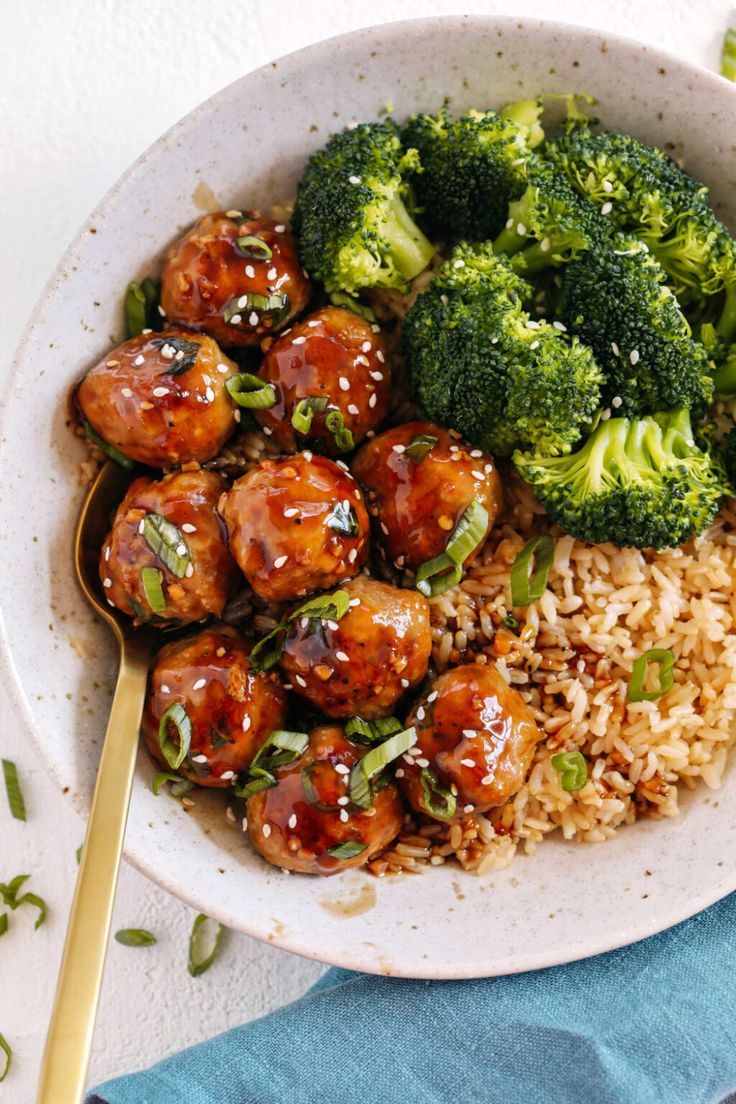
[[69, 1039]]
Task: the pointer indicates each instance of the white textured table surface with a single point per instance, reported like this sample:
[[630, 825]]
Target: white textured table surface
[[84, 88]]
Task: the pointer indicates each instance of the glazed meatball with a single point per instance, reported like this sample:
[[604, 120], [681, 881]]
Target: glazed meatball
[[296, 822], [161, 398], [476, 743], [362, 664], [296, 525], [230, 709], [166, 557], [417, 490], [330, 368], [235, 276]]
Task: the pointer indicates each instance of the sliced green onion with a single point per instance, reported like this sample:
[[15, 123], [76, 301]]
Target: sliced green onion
[[347, 850], [280, 748], [327, 607], [135, 937], [254, 781], [433, 576], [186, 354], [163, 538], [37, 902], [370, 732], [342, 521], [204, 944], [728, 55], [269, 649], [8, 1051], [179, 786], [109, 450], [311, 793], [151, 578], [247, 245], [666, 660], [304, 411], [135, 309], [468, 533], [573, 768], [175, 752], [437, 800], [251, 391], [510, 621], [275, 307], [9, 894], [79, 853], [342, 436], [13, 790], [419, 446], [526, 587], [359, 783], [219, 739], [3, 923]]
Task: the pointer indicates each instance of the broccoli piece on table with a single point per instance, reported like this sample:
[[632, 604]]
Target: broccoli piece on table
[[471, 167], [614, 297], [634, 483], [351, 218], [549, 224], [479, 364]]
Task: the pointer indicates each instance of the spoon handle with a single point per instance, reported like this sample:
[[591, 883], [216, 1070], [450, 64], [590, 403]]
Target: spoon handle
[[69, 1039]]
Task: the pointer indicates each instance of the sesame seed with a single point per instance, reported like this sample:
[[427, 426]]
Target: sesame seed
[[307, 456], [220, 651], [605, 415], [107, 582], [520, 229], [159, 392], [332, 625], [236, 320], [292, 820], [607, 186], [399, 561], [141, 527], [354, 601], [344, 383], [249, 271], [373, 400], [544, 245], [127, 393], [314, 322], [477, 474], [384, 529], [494, 341], [233, 214], [110, 603], [615, 349], [487, 780], [236, 416], [343, 800], [280, 561], [476, 453], [230, 815], [487, 468], [227, 775], [354, 179], [253, 318], [291, 511], [139, 360], [377, 375], [360, 359], [300, 681], [189, 571], [422, 762], [399, 448], [146, 406], [459, 263], [343, 465], [266, 829], [209, 395], [400, 772], [353, 409], [380, 357], [280, 228], [199, 758], [107, 553], [285, 332], [298, 340], [245, 824], [366, 347], [509, 223], [616, 401], [168, 351], [421, 713], [111, 363], [199, 684], [468, 808], [607, 208], [467, 762], [161, 311], [375, 327], [187, 527], [433, 697], [271, 274], [344, 816], [405, 683], [181, 549], [469, 733], [634, 356], [245, 723], [560, 326], [264, 429], [534, 345]]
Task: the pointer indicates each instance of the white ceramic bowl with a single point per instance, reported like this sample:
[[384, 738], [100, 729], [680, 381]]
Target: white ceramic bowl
[[246, 147]]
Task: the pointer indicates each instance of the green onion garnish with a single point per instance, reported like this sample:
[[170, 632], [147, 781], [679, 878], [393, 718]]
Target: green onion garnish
[[175, 751], [13, 790], [280, 748], [3, 923], [204, 944], [135, 937], [728, 55], [327, 607], [370, 732], [526, 587], [274, 306], [9, 894], [151, 578], [510, 621], [437, 575], [419, 446], [666, 660], [8, 1051], [109, 450], [141, 301], [304, 411], [573, 768], [437, 800], [342, 521], [163, 538], [186, 354], [359, 783], [179, 787], [78, 853], [249, 246], [251, 391], [311, 793], [253, 781], [342, 436], [347, 850]]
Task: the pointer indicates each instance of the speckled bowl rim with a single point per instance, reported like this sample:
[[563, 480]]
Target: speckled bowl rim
[[537, 958]]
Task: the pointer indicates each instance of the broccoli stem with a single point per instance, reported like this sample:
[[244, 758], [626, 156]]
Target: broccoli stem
[[724, 378], [509, 241], [726, 324], [534, 258], [410, 250]]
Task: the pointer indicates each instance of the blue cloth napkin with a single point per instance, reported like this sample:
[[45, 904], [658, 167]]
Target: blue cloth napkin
[[654, 1023]]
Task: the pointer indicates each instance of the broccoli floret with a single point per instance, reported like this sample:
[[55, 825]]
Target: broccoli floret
[[728, 457], [641, 483], [614, 297], [350, 216], [471, 167], [549, 224], [478, 363]]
